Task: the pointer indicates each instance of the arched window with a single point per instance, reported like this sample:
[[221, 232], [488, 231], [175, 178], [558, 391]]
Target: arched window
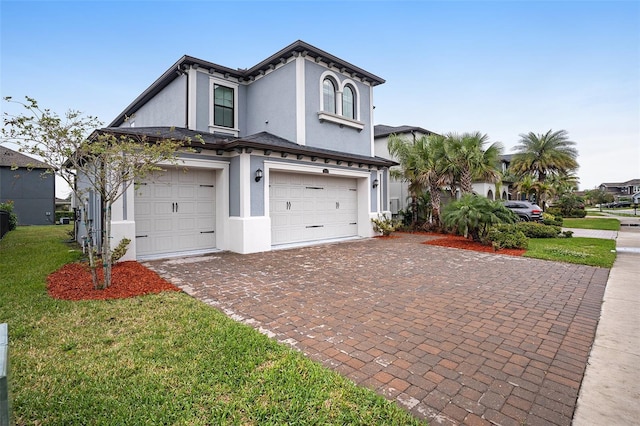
[[329, 95], [349, 103]]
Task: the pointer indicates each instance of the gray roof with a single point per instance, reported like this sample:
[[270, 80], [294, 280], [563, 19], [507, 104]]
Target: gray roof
[[632, 182], [264, 141], [382, 130], [297, 48], [11, 158]]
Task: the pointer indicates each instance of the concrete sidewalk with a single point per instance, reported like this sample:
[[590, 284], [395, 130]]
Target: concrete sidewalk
[[610, 389]]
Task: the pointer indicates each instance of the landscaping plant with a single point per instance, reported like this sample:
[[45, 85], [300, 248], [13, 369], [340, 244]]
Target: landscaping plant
[[99, 162], [384, 225], [474, 216], [538, 230], [506, 236], [13, 218]]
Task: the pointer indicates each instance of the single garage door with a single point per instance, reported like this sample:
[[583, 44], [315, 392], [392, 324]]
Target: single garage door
[[311, 207], [175, 212]]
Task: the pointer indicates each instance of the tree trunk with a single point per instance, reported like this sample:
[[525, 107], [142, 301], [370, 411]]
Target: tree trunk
[[435, 205], [466, 182], [106, 247], [90, 245], [414, 211]]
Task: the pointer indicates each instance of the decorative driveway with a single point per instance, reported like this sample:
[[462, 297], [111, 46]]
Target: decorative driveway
[[454, 336]]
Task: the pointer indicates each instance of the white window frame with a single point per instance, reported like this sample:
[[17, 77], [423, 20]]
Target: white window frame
[[338, 118], [213, 81]]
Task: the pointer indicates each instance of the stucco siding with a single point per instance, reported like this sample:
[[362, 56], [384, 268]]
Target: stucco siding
[[234, 186], [271, 103], [167, 108], [330, 135], [257, 188], [203, 102]]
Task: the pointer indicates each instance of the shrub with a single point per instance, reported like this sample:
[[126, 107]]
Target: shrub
[[570, 205], [506, 236], [549, 219], [120, 250], [577, 213], [554, 211], [384, 225], [13, 218], [474, 216], [567, 234], [538, 230]]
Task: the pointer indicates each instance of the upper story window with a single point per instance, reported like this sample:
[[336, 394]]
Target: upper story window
[[223, 101], [329, 95], [339, 101], [348, 103], [223, 107]]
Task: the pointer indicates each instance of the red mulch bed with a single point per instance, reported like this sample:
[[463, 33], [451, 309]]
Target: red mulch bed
[[459, 242], [128, 279]]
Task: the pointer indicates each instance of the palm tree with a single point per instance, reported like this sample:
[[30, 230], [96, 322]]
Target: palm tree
[[541, 155], [465, 159], [420, 168], [412, 166]]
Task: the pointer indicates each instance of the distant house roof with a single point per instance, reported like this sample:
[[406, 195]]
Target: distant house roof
[[382, 130], [11, 158], [297, 48], [632, 182], [264, 141]]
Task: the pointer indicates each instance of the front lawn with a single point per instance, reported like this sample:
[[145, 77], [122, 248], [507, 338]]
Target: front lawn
[[156, 359], [583, 251], [592, 223]]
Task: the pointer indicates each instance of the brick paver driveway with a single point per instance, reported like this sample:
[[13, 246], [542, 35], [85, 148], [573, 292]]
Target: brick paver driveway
[[455, 336]]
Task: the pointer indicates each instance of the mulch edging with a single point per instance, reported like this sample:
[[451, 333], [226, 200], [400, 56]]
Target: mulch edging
[[128, 279]]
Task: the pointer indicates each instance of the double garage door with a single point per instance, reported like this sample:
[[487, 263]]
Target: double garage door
[[175, 212], [311, 207]]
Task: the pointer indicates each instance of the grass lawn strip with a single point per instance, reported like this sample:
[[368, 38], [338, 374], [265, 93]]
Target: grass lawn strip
[[592, 223], [583, 251], [158, 359]]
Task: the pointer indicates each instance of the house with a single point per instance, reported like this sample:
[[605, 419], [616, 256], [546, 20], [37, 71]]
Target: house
[[287, 157], [30, 184], [399, 198], [621, 189]]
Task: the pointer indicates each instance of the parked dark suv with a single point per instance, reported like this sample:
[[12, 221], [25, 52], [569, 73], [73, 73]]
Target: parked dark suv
[[525, 210]]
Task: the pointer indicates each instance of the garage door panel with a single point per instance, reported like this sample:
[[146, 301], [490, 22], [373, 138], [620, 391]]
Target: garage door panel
[[311, 207], [161, 191], [172, 209]]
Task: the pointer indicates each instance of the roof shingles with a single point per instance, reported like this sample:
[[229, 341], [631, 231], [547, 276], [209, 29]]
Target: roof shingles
[[11, 158]]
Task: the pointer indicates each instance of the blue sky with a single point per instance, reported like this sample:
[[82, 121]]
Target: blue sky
[[499, 67]]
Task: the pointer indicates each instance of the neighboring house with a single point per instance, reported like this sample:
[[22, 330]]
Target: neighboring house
[[398, 190], [288, 157], [399, 198], [23, 180], [621, 189]]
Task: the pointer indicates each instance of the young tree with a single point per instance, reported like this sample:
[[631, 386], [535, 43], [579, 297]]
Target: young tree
[[108, 163]]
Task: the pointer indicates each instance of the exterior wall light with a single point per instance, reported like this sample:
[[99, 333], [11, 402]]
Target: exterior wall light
[[258, 175], [375, 183]]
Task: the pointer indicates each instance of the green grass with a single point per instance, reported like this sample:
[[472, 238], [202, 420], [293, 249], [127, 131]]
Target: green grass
[[592, 223], [583, 251], [158, 359]]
